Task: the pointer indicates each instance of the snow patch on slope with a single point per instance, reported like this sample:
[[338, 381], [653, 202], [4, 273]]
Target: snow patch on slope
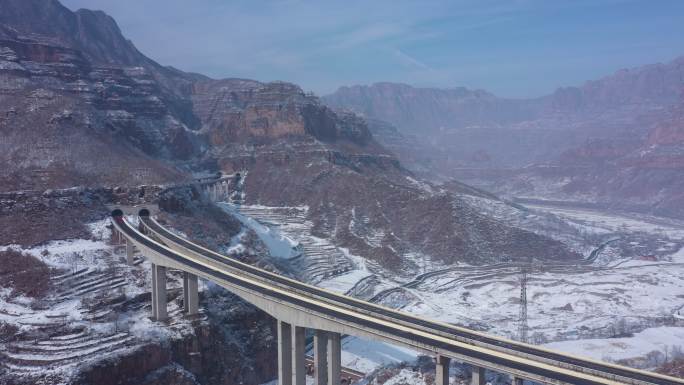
[[278, 244]]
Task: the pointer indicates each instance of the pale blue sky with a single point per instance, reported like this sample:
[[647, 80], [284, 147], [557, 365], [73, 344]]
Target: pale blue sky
[[515, 48]]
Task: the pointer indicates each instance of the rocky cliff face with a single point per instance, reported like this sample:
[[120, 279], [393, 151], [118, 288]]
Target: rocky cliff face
[[72, 115], [244, 338], [106, 110], [91, 32], [245, 110]]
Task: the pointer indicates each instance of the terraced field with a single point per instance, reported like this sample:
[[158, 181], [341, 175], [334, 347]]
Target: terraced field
[[316, 258], [89, 314]]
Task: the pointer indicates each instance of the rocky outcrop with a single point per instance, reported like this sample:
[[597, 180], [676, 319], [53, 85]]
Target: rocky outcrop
[[126, 100], [81, 106], [92, 32], [244, 357], [245, 110]]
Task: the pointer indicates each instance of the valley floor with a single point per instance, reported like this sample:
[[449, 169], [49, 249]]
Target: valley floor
[[610, 308]]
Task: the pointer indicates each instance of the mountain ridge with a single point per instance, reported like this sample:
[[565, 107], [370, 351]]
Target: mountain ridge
[[612, 122], [612, 89]]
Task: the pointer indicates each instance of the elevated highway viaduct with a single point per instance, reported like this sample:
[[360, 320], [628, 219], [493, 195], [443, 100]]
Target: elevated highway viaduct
[[298, 306]]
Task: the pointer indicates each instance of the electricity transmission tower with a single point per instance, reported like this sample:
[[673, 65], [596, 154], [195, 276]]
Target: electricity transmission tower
[[522, 328]]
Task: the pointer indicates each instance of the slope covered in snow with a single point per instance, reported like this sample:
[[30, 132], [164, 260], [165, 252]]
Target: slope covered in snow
[[611, 294]]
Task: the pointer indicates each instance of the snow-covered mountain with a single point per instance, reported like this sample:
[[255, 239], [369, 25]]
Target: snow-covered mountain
[[88, 122]]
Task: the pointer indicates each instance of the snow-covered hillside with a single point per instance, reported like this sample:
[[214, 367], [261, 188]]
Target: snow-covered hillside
[[95, 308], [631, 283], [98, 306]]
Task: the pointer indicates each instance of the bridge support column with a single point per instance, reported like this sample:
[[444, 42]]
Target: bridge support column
[[516, 380], [154, 291], [129, 252], [334, 359], [298, 356], [442, 370], [320, 357], [159, 293], [284, 353], [190, 295], [478, 376]]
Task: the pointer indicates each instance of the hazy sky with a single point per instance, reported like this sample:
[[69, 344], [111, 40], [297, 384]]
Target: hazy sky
[[513, 48]]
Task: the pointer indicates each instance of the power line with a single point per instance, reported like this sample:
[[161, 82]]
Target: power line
[[522, 328]]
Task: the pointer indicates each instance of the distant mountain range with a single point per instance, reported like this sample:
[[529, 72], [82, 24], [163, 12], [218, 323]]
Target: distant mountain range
[[537, 147], [423, 110]]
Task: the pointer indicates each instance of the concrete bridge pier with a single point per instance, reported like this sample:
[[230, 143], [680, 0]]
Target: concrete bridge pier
[[516, 380], [130, 250], [190, 294], [442, 370], [159, 305], [154, 291], [298, 356], [320, 357], [334, 358], [284, 353], [478, 376]]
